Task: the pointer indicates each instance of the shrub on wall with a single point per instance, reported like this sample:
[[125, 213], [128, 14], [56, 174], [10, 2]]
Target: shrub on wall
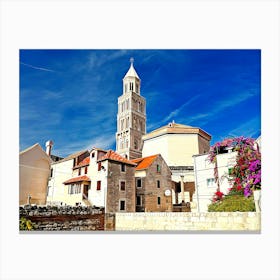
[[233, 203], [25, 224]]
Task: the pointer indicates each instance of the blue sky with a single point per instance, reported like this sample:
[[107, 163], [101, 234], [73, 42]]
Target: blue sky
[[70, 96]]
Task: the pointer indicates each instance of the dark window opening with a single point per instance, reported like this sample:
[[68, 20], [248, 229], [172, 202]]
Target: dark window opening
[[139, 183], [158, 183], [122, 186], [98, 187], [99, 165], [123, 167], [122, 205], [158, 200]]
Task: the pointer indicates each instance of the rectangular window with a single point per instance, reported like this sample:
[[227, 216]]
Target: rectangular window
[[98, 186], [138, 200], [74, 189], [158, 183], [122, 185], [210, 182], [51, 172], [123, 167], [158, 200], [99, 166], [79, 172], [139, 183], [158, 168], [122, 205], [86, 169]]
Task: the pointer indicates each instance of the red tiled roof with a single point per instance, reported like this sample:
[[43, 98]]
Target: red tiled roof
[[84, 162], [111, 155], [144, 163], [77, 179]]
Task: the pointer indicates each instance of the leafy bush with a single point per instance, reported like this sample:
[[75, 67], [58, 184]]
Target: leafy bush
[[25, 224], [233, 203]]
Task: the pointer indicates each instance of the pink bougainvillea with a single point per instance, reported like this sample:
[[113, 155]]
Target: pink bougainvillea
[[247, 171]]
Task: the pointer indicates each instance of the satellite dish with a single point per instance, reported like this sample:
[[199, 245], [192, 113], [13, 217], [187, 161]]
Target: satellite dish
[[167, 193]]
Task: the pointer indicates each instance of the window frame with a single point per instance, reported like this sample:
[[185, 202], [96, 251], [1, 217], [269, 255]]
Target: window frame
[[122, 185], [124, 204]]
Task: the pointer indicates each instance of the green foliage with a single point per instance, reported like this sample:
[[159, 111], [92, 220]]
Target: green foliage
[[25, 224], [233, 203]]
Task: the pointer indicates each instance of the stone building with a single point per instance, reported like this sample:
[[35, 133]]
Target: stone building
[[153, 184], [119, 184], [131, 117], [96, 177], [34, 170], [177, 143], [68, 179]]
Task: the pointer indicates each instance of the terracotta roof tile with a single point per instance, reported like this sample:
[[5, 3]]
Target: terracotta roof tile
[[84, 162], [144, 163], [77, 179], [111, 155]]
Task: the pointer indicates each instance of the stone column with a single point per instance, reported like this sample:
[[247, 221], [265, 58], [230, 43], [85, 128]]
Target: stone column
[[182, 188]]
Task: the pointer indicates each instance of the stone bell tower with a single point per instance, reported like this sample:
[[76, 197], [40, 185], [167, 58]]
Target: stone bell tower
[[131, 117]]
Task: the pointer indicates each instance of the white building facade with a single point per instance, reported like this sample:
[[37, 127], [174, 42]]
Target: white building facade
[[205, 185]]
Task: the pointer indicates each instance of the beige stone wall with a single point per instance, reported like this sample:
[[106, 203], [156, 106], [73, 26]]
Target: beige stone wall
[[203, 145], [235, 221], [150, 192], [34, 172]]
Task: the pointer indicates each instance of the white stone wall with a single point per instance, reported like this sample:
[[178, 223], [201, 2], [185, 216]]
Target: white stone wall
[[219, 221], [205, 170]]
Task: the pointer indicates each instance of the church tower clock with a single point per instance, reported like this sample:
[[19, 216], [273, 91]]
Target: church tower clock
[[131, 117]]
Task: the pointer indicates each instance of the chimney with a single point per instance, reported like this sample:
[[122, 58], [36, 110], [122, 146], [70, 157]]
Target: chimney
[[49, 145]]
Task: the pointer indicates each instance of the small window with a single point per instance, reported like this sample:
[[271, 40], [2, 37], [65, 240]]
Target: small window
[[158, 200], [123, 167], [122, 205], [51, 172], [139, 183], [210, 182], [122, 185], [138, 200], [92, 155], [86, 169], [79, 172], [158, 183], [99, 165], [98, 187], [158, 168]]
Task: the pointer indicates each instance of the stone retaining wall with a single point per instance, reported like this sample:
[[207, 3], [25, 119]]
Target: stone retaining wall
[[236, 221], [66, 218]]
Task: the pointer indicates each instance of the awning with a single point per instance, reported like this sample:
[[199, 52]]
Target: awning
[[77, 179]]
